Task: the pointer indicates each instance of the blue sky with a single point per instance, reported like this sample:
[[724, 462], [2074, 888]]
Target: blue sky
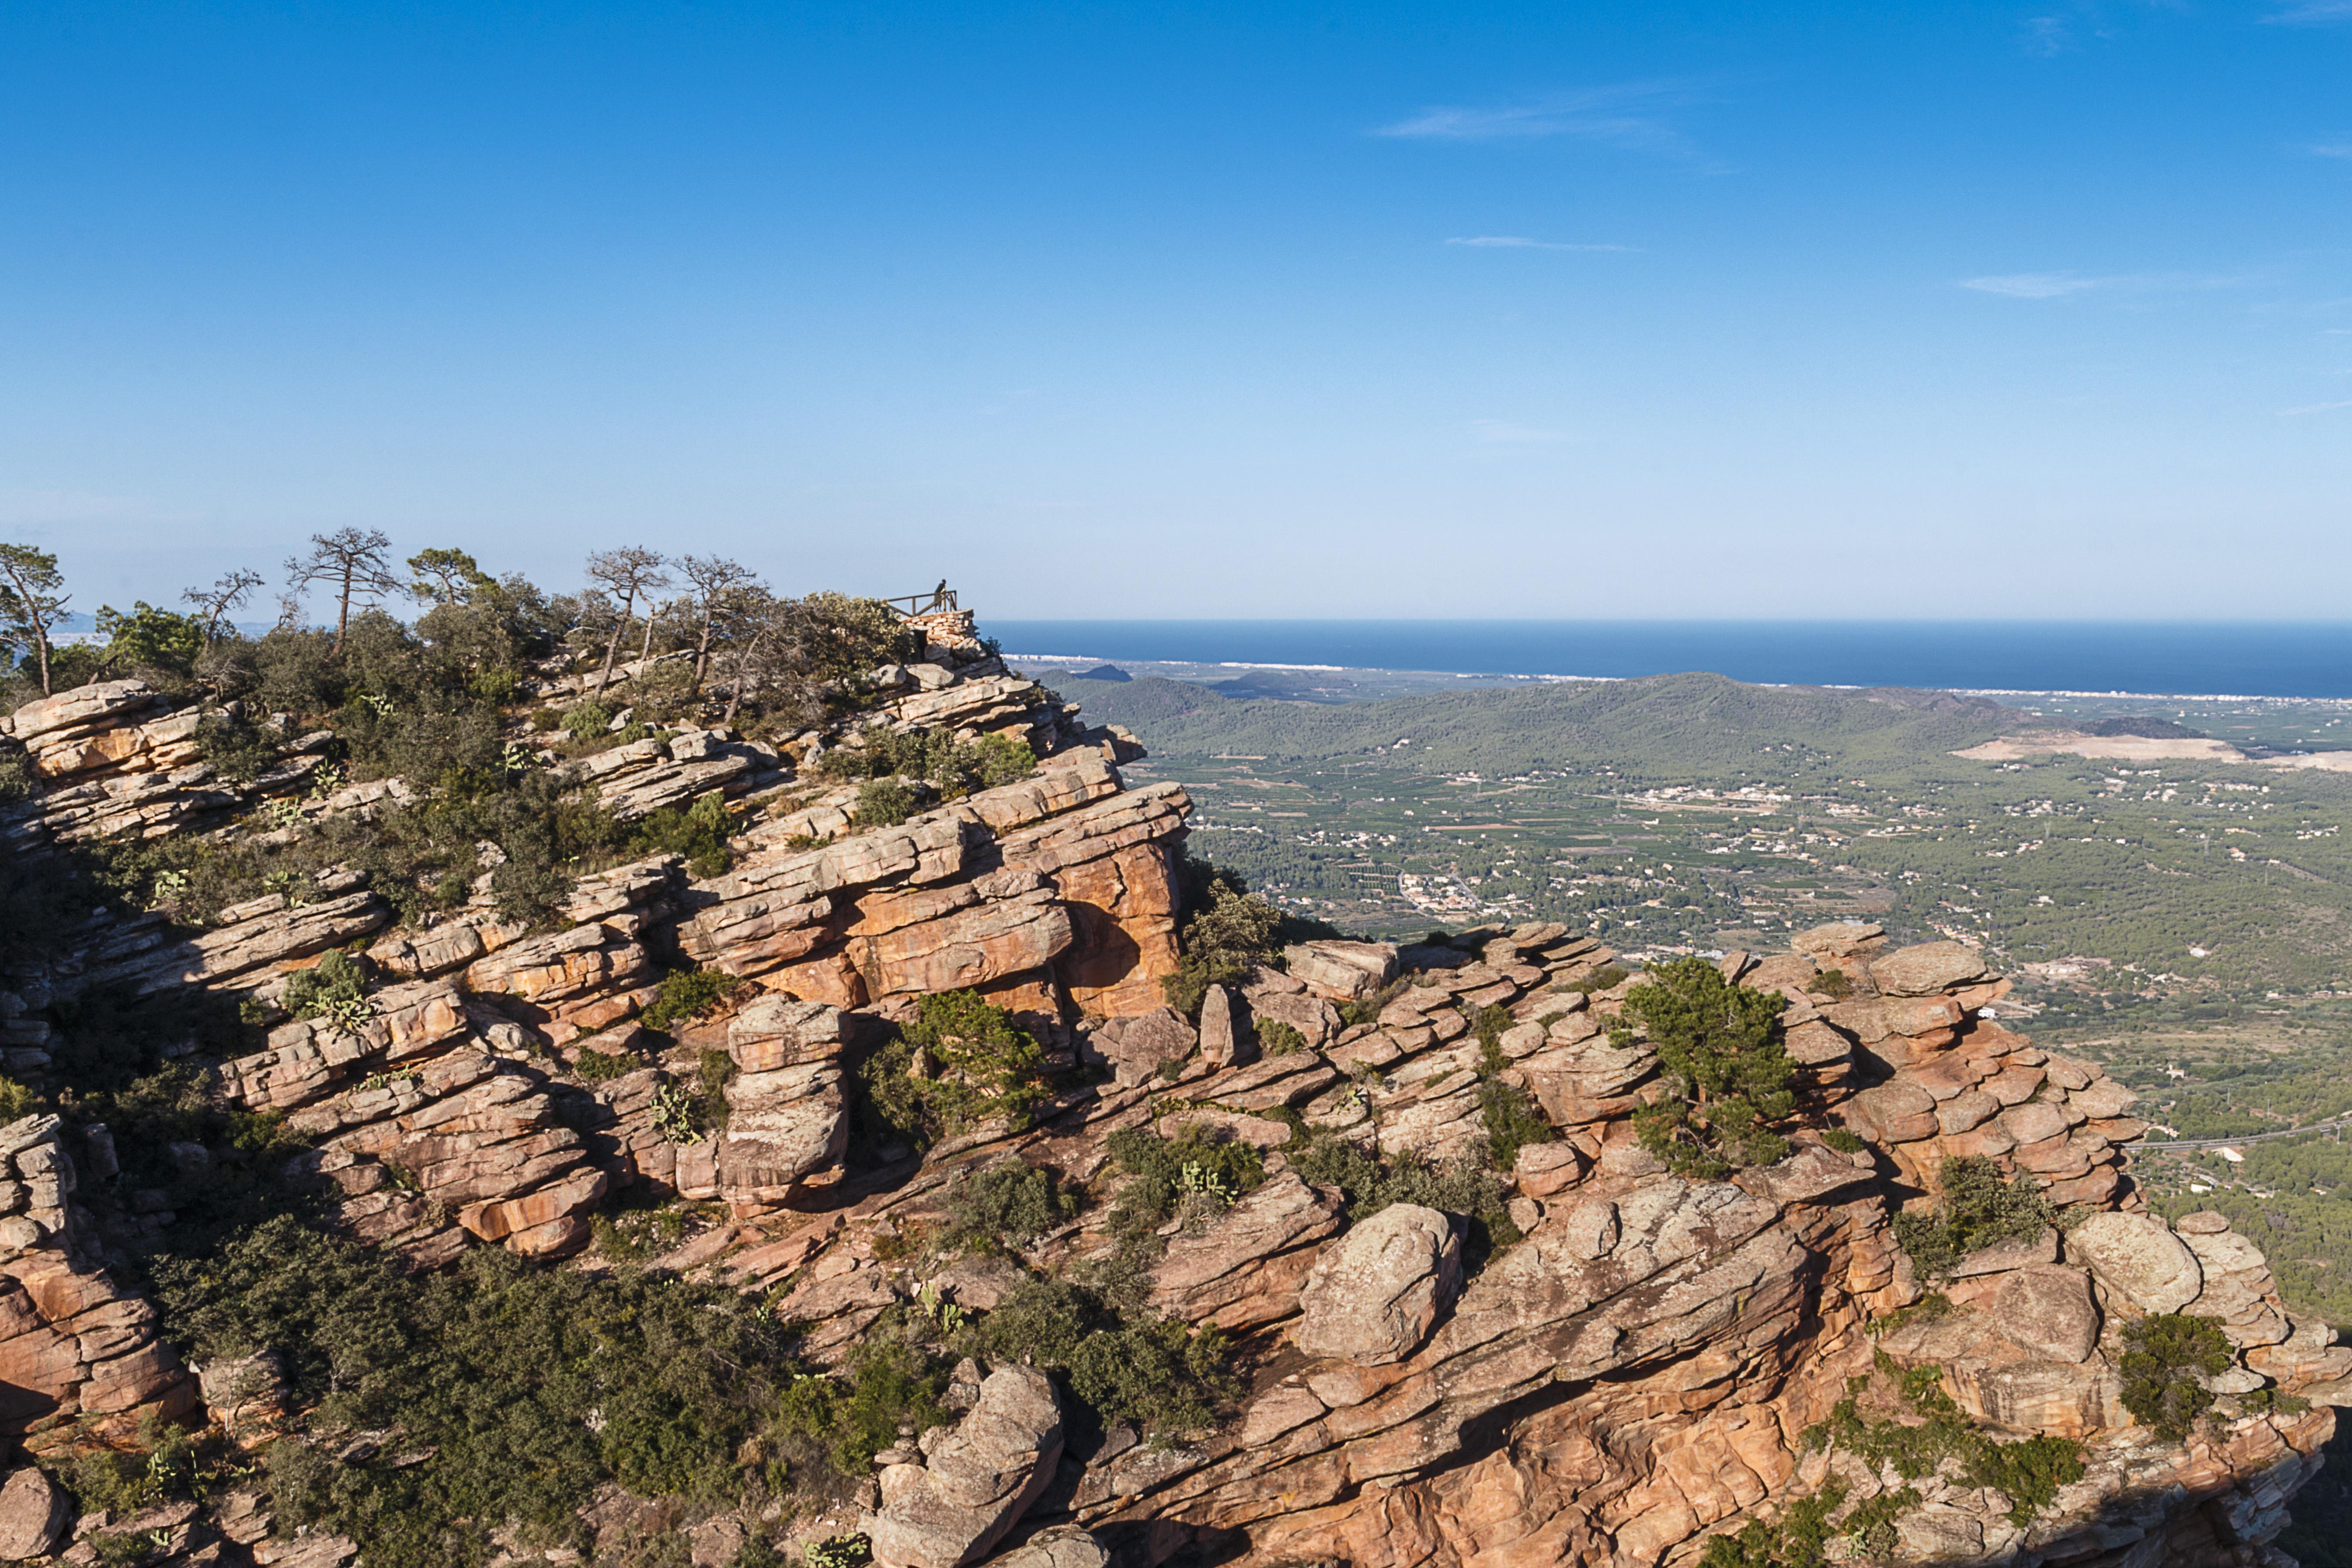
[[1269, 309]]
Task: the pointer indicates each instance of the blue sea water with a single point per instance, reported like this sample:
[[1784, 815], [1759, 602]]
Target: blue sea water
[[2264, 659]]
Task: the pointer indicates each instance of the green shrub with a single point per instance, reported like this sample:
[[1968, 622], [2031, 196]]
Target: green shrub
[[526, 1390], [1843, 1141], [334, 988], [1604, 978], [2027, 1473], [1976, 1210], [1277, 1038], [1468, 1186], [976, 1062], [1512, 1122], [685, 994], [884, 803], [595, 1066], [1002, 760], [1167, 1176], [1932, 1308], [1226, 934], [546, 718], [1168, 1379], [2163, 1355], [236, 748], [2030, 1472], [17, 1101], [952, 767], [697, 834], [587, 720], [1797, 1539], [846, 1421], [1368, 1009], [147, 638], [2272, 1400], [1727, 1075], [1831, 983], [1511, 1119], [1010, 1202]]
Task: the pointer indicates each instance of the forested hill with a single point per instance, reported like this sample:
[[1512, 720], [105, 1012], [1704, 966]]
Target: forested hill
[[1665, 728]]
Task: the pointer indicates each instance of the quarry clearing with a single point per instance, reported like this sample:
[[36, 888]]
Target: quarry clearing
[[2145, 749]]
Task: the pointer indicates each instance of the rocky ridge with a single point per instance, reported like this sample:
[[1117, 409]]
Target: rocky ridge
[[1633, 1376]]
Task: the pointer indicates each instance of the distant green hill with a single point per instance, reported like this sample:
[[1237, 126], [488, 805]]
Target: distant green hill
[[1665, 727]]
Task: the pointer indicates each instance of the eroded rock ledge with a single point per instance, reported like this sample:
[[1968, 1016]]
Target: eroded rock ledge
[[1630, 1376]]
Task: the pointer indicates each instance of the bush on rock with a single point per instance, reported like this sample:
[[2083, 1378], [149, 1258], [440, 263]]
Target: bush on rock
[[1718, 1046]]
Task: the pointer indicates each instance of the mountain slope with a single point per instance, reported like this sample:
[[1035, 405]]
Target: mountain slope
[[1665, 726]]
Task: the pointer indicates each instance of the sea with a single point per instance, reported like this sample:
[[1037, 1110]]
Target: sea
[[2204, 658]]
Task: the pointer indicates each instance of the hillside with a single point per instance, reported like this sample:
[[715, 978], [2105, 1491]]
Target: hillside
[[1670, 729]]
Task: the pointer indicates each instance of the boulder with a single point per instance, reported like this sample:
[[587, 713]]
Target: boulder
[[1134, 1048], [2048, 1311], [1062, 1547], [981, 1477], [1316, 1021], [1828, 943], [1245, 1270], [1342, 971], [34, 1513], [1375, 1294], [1220, 1042], [2139, 1258], [1926, 968]]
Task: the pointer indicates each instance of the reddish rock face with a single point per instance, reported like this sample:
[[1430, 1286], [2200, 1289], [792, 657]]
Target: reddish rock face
[[1627, 1377], [1123, 931]]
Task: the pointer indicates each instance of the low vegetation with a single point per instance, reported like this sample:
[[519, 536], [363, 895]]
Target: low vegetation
[[959, 1063], [1007, 1204], [2166, 1358], [685, 995], [507, 1392], [1977, 1209], [1720, 1056], [1122, 1362], [1193, 1176], [1902, 1420]]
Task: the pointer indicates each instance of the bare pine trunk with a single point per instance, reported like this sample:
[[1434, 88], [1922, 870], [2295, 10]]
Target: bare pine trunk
[[613, 643], [701, 655]]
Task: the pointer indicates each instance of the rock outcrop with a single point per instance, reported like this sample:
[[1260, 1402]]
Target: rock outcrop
[[978, 1480], [1614, 1364], [1373, 1297]]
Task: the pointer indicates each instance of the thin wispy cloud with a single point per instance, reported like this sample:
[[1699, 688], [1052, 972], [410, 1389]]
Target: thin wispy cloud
[[2057, 285], [1520, 242], [1503, 433], [2312, 13], [2046, 37], [1628, 114], [2316, 408], [2330, 149], [2032, 285]]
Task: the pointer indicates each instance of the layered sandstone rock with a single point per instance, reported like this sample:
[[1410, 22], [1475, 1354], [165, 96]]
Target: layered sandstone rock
[[1630, 1376], [977, 1481], [1373, 1297]]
